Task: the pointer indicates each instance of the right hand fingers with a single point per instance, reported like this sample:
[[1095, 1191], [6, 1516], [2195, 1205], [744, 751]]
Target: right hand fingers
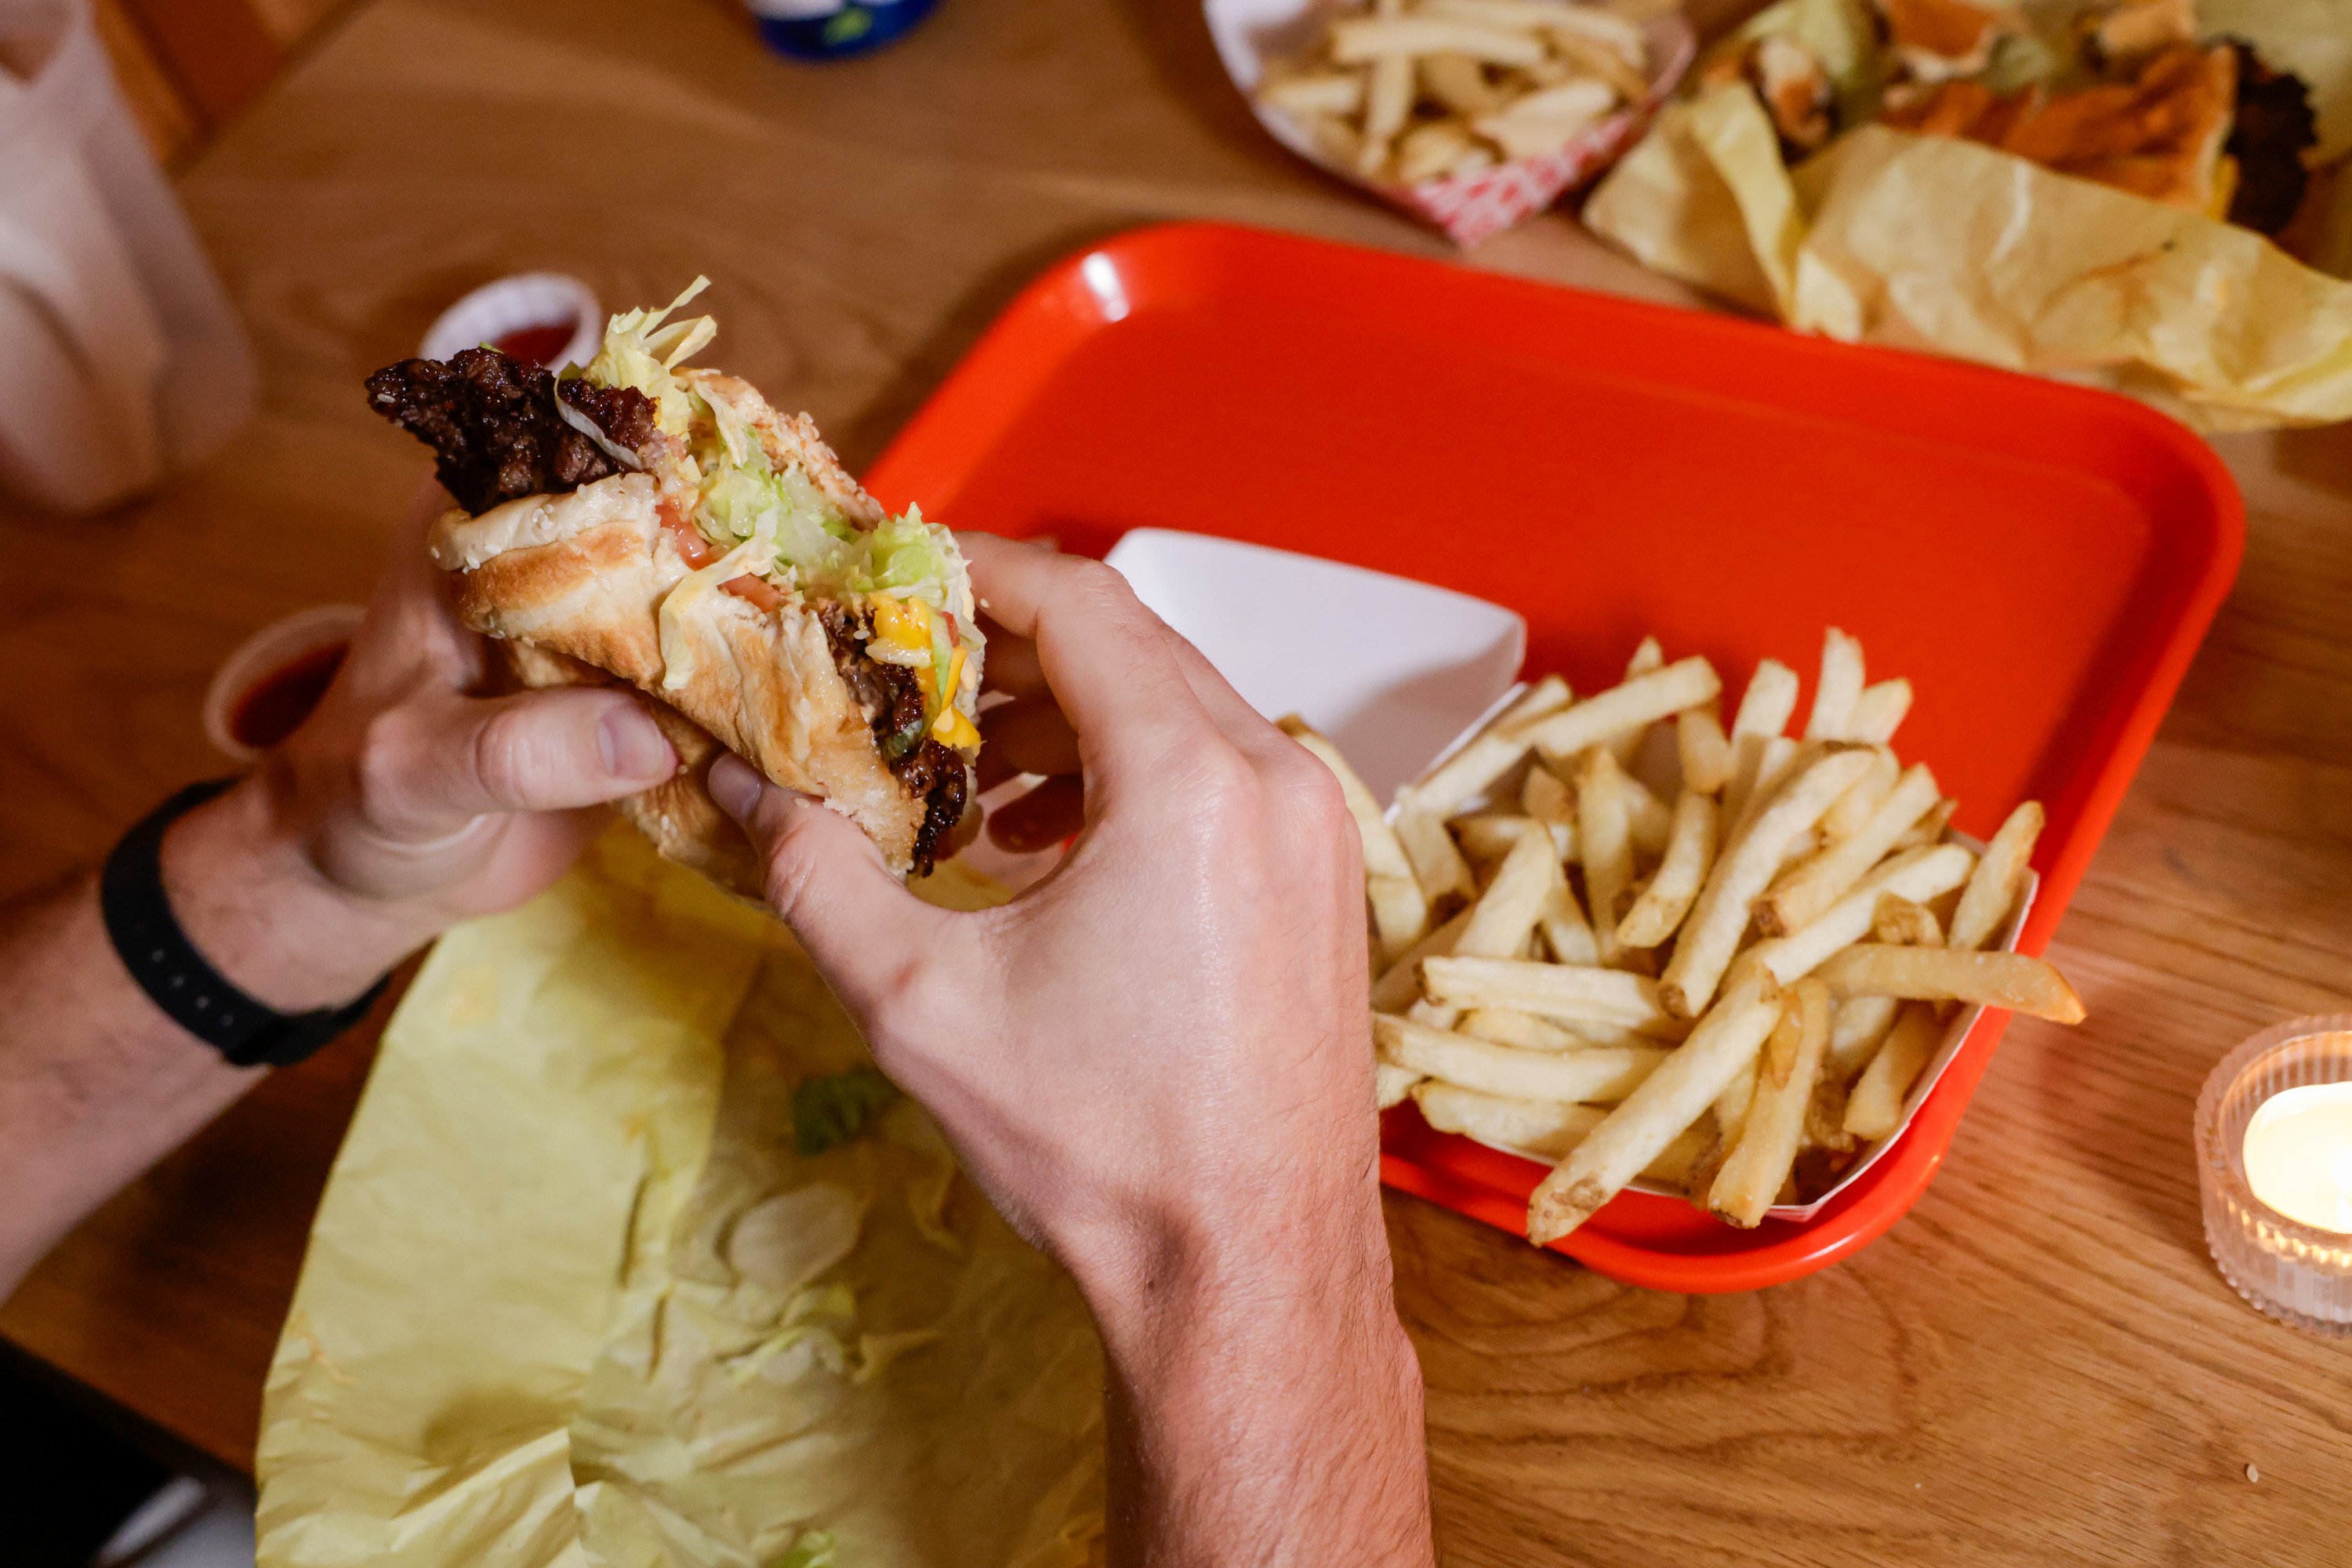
[[827, 881], [1106, 657], [1027, 735], [1042, 818]]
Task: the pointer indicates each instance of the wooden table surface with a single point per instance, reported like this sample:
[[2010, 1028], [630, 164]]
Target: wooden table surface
[[2038, 1364]]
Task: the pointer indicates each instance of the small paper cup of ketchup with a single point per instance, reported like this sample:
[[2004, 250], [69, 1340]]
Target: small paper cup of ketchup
[[546, 318], [264, 690]]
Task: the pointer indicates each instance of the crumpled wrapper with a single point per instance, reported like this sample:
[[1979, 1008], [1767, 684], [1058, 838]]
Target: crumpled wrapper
[[572, 1299], [1952, 247]]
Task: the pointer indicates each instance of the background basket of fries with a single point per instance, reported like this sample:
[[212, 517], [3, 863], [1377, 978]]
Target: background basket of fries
[[1471, 115]]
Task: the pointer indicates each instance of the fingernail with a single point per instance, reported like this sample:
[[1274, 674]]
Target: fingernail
[[734, 786], [631, 746]]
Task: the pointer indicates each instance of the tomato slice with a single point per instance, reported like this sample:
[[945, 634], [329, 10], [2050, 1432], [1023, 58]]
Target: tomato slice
[[758, 590], [691, 545]]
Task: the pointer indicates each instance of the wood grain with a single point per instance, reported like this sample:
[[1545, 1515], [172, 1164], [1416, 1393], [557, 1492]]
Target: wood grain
[[2038, 1364]]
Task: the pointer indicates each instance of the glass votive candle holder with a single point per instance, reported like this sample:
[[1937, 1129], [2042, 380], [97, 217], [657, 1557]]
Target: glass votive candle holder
[[2284, 1265]]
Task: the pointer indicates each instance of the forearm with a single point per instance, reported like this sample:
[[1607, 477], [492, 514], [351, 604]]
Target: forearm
[[1265, 1403], [96, 1082]]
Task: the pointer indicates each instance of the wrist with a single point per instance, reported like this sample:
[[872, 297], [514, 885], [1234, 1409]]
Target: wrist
[[244, 888]]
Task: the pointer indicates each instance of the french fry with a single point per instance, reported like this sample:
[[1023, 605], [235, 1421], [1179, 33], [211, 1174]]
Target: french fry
[[1463, 776], [1322, 92], [1594, 1074], [1706, 748], [1399, 983], [1543, 122], [1880, 711], [1400, 907], [1383, 855], [1648, 820], [1571, 994], [1489, 836], [1605, 837], [1690, 854], [1666, 1103], [1400, 914], [1565, 930], [1929, 829], [1549, 695], [1539, 1127], [1803, 893], [1711, 934], [1388, 103], [1391, 1084], [1898, 920], [1874, 1108], [1853, 808], [1839, 687], [1650, 656], [1458, 83], [1764, 767], [1769, 703], [1554, 17], [1438, 864], [1918, 874], [1544, 797], [1530, 1033], [1432, 1014], [1859, 1026], [1525, 1030], [1645, 700], [1355, 42], [1430, 151], [1752, 1178], [1591, 55], [2010, 980], [1505, 912], [2001, 874]]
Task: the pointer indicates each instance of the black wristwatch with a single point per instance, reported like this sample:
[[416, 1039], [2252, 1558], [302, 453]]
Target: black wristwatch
[[167, 966]]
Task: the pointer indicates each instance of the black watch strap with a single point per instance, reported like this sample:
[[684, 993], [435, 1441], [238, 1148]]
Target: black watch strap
[[167, 966]]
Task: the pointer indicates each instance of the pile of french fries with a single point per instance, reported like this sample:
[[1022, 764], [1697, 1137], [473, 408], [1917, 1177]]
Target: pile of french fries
[[1410, 90], [1614, 935]]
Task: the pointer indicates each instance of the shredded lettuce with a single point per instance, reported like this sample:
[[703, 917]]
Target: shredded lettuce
[[810, 1549], [832, 1110], [640, 352]]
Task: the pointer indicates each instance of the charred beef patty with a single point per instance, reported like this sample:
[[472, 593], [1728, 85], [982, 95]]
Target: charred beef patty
[[2274, 125], [891, 698], [491, 420]]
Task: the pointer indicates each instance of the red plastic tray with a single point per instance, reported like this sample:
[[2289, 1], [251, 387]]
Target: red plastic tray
[[2041, 561]]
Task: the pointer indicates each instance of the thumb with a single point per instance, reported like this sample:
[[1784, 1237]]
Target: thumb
[[826, 879], [429, 768]]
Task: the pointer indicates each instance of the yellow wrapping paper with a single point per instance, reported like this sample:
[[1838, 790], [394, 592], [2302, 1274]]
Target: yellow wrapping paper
[[1944, 246], [572, 1299]]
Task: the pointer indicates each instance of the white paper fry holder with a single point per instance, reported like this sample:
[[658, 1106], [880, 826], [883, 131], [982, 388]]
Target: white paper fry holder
[[1253, 34]]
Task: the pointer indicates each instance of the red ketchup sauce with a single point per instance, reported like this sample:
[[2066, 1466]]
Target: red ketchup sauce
[[539, 344], [275, 706]]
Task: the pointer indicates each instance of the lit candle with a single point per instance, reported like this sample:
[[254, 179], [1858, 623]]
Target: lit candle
[[2275, 1171], [2299, 1155]]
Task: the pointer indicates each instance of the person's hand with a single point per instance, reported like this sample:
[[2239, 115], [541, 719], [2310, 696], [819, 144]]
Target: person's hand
[[402, 804], [1158, 1063], [1168, 1036]]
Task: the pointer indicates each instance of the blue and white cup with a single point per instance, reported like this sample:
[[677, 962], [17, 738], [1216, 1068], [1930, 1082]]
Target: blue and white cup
[[834, 29]]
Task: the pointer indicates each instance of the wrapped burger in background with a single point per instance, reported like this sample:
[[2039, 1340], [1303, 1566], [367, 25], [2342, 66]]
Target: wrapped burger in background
[[2073, 190]]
